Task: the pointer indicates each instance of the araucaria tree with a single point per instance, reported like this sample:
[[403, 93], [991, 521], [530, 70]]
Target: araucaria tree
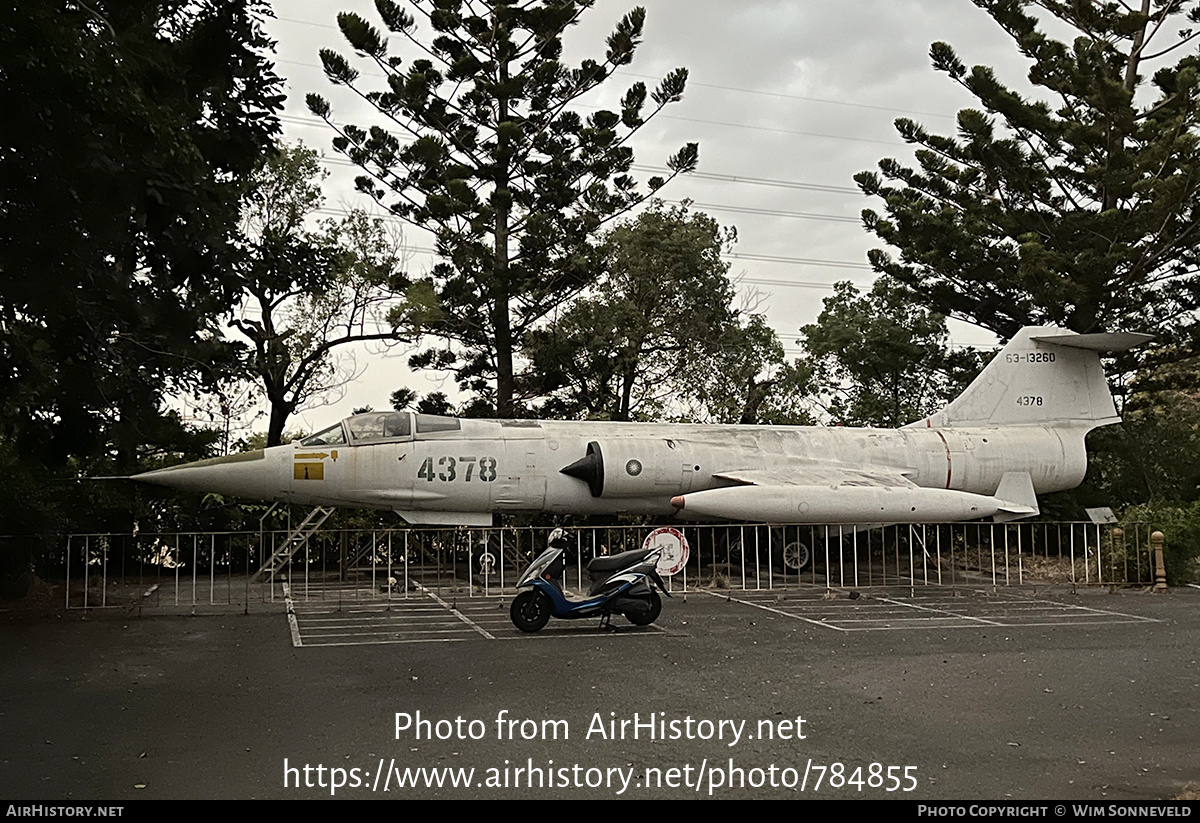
[[1075, 204], [484, 149]]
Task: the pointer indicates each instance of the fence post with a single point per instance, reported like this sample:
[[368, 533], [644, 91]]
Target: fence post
[[1160, 569], [1117, 549]]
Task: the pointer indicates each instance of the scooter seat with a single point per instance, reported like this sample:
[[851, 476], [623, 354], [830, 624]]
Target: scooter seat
[[617, 562]]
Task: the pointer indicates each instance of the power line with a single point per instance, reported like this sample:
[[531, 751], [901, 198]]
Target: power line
[[770, 258], [835, 218], [724, 178], [763, 258], [797, 284], [738, 89], [821, 135], [801, 97], [749, 126], [763, 181]]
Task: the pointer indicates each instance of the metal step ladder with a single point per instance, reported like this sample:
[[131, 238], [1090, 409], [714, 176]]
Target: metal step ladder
[[917, 538], [296, 540]]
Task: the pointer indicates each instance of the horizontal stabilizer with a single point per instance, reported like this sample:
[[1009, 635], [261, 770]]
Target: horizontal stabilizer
[[1104, 341]]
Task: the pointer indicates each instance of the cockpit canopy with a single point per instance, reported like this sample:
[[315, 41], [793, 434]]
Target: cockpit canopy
[[374, 427]]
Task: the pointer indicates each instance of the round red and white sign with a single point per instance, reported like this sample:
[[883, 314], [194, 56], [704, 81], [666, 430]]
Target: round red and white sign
[[674, 546]]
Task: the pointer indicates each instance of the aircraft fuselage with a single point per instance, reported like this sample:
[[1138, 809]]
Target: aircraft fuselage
[[1017, 431], [516, 466]]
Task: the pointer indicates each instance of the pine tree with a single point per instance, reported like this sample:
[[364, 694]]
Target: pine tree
[[486, 151], [1077, 205]]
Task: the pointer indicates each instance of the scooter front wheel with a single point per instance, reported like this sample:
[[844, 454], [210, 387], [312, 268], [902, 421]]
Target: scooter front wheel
[[647, 617], [530, 611]]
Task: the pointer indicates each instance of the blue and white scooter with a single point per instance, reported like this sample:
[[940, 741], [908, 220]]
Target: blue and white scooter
[[620, 584]]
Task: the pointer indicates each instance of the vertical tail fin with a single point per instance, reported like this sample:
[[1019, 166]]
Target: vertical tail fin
[[1044, 376]]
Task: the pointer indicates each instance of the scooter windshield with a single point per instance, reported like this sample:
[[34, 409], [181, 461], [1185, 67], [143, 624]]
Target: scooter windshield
[[538, 566]]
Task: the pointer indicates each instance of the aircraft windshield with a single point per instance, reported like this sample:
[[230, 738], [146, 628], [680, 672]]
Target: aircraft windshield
[[427, 423], [379, 426], [376, 426], [332, 436]]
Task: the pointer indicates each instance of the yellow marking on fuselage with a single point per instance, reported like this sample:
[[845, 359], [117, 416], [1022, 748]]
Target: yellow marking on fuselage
[[309, 471]]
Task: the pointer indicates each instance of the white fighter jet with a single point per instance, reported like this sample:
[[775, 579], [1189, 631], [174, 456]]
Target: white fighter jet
[[1016, 432]]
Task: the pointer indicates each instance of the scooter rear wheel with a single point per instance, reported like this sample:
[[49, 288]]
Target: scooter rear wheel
[[530, 611], [646, 618]]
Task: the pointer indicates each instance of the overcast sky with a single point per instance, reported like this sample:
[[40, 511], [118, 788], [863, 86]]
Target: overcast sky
[[792, 97]]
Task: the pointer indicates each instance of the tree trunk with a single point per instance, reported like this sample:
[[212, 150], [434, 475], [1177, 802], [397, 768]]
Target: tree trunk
[[280, 411], [501, 322]]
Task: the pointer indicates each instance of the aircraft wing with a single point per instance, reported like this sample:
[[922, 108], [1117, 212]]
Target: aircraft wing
[[822, 474]]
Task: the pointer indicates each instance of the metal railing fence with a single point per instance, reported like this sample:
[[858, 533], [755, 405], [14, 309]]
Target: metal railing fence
[[195, 570]]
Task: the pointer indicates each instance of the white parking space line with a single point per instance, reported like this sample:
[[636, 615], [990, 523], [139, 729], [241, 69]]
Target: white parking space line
[[408, 606], [458, 614], [493, 614], [879, 612], [575, 632], [405, 635], [1134, 617], [777, 611], [291, 613], [942, 611], [395, 642], [430, 618], [393, 622]]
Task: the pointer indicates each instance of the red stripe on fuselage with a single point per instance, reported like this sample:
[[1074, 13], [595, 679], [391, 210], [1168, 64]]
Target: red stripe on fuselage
[[949, 467]]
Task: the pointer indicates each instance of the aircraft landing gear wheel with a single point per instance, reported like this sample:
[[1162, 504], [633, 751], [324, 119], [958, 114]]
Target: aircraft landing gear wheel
[[646, 618], [796, 557], [530, 611]]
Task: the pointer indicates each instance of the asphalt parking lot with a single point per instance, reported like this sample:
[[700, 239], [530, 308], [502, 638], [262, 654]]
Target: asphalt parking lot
[[935, 694], [429, 617]]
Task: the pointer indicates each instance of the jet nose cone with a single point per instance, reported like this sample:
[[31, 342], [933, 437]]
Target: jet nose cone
[[245, 475]]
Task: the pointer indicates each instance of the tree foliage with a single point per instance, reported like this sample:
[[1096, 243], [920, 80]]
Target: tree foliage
[[658, 334], [127, 130], [126, 127], [483, 149], [309, 290], [737, 379], [879, 360], [1077, 204], [432, 403], [1152, 457]]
